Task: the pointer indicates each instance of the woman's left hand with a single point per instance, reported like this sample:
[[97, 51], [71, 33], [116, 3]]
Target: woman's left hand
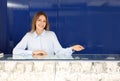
[[38, 54], [77, 47]]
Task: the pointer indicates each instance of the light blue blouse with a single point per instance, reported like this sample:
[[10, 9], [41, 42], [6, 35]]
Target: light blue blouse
[[47, 41]]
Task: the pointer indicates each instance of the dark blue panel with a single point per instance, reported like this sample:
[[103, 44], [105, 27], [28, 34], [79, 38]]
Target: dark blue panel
[[72, 21], [103, 18], [3, 26], [93, 23], [104, 28]]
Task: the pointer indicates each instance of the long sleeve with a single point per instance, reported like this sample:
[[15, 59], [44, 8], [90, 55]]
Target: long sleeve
[[58, 48], [21, 46]]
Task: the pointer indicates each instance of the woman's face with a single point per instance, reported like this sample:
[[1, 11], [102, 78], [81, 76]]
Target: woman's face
[[41, 22]]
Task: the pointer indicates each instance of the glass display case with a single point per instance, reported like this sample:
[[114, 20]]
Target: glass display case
[[54, 57]]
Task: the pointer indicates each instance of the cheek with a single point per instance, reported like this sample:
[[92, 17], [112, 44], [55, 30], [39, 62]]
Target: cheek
[[44, 24], [36, 23]]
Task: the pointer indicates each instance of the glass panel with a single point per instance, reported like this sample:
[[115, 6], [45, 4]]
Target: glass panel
[[73, 57]]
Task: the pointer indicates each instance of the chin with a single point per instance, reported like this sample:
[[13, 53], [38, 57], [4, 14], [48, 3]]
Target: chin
[[41, 28]]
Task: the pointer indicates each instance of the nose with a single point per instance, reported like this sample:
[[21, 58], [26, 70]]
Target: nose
[[42, 23]]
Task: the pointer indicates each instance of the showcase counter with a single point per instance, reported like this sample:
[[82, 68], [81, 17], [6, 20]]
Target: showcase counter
[[111, 57], [78, 68]]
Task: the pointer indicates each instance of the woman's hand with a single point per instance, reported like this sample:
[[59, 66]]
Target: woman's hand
[[39, 54], [77, 47]]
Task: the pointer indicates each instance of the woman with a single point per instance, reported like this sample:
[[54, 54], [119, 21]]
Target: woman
[[40, 42]]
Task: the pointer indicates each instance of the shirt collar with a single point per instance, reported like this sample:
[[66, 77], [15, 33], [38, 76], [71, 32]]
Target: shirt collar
[[42, 34]]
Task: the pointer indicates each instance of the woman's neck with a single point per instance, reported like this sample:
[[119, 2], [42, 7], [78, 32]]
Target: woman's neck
[[39, 32]]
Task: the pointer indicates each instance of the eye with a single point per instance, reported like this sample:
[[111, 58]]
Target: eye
[[39, 20], [44, 21]]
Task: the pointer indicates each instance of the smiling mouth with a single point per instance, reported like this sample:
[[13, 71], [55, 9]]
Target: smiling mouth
[[40, 26]]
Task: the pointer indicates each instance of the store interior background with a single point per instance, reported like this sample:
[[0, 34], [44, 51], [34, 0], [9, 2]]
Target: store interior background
[[95, 24]]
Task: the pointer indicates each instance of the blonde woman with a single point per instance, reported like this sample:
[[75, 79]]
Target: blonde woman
[[41, 42]]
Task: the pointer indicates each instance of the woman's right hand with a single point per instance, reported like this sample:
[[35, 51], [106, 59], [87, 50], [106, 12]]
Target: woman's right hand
[[38, 54]]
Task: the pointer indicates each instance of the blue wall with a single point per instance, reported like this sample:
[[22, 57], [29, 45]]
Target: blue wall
[[94, 24], [3, 26]]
